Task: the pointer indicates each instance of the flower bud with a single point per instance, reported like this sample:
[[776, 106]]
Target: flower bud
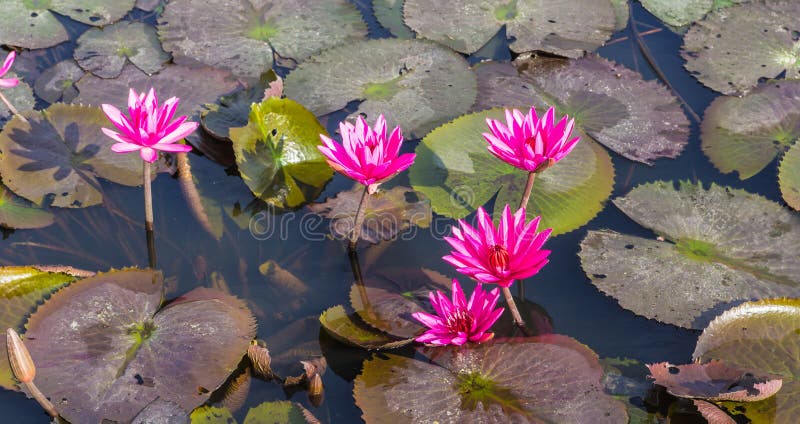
[[316, 392], [19, 358]]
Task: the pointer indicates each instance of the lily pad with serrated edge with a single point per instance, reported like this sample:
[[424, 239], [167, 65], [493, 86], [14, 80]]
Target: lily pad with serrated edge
[[277, 153], [416, 84], [389, 14], [607, 100], [712, 258], [714, 381], [58, 82], [564, 28], [761, 336], [195, 87], [32, 23], [789, 176], [347, 329], [244, 37], [734, 47], [21, 97], [543, 379], [110, 330], [21, 290], [105, 51], [19, 213], [457, 173], [745, 134], [57, 156], [388, 213]]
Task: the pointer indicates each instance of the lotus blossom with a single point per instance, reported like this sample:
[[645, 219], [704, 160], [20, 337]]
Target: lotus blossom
[[459, 321], [366, 154], [511, 251], [8, 82], [148, 129], [528, 142]]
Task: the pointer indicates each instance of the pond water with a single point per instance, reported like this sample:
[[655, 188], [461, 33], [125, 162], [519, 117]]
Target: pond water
[[112, 236]]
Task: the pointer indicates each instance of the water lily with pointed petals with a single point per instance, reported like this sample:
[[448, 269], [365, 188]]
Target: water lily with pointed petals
[[459, 321], [149, 127], [528, 142], [366, 154], [8, 82], [499, 255]]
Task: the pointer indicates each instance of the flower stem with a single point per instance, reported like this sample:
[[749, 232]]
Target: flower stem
[[148, 214], [12, 108], [42, 399], [359, 221], [355, 266], [526, 195], [512, 306]]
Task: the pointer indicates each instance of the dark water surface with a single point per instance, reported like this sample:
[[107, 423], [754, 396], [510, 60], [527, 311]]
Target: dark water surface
[[97, 239]]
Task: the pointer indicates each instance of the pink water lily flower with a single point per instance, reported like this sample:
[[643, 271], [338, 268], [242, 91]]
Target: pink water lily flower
[[366, 154], [460, 321], [511, 251], [528, 142], [8, 82], [149, 128]]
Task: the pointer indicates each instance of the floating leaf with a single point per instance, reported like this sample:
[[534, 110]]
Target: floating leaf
[[234, 393], [16, 212], [564, 28], [196, 87], [21, 97], [678, 13], [746, 134], [32, 24], [789, 176], [713, 258], [387, 299], [416, 84], [389, 14], [161, 411], [212, 415], [389, 213], [734, 47], [109, 331], [277, 153], [21, 290], [58, 82], [147, 5], [607, 100], [457, 173], [59, 154], [104, 51], [280, 412], [346, 329], [543, 379], [231, 112], [714, 380], [501, 85], [243, 38], [761, 336]]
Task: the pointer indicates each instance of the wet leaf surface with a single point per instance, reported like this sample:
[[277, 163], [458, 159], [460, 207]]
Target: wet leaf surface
[[105, 51], [714, 381]]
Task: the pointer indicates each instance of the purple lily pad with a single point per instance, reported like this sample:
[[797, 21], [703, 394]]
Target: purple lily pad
[[109, 331], [714, 381], [534, 380], [711, 413]]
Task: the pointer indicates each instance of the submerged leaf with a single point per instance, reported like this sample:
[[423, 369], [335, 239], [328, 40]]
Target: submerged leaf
[[542, 379], [16, 212], [389, 14], [109, 330], [455, 170], [58, 82], [789, 176], [714, 380], [105, 51], [555, 26], [713, 258], [416, 84], [346, 329], [57, 156]]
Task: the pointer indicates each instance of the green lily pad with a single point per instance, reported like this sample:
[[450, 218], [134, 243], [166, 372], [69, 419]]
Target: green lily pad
[[564, 28], [244, 38], [231, 112], [32, 24], [457, 173], [21, 97], [389, 213], [714, 380], [711, 258], [105, 51], [678, 13], [109, 330], [212, 415], [607, 100], [348, 330], [16, 212], [745, 134], [280, 412], [58, 82], [535, 380], [760, 336], [195, 87], [389, 14], [734, 47], [57, 156], [789, 176], [277, 153], [22, 289], [416, 84]]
